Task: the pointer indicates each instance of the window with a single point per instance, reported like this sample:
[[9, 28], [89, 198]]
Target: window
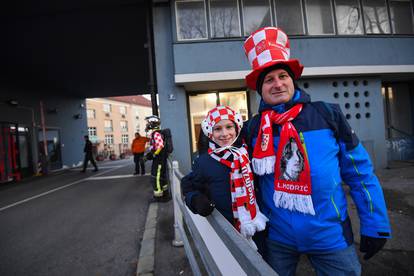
[[319, 17], [348, 17], [122, 110], [124, 126], [109, 139], [107, 108], [191, 20], [90, 113], [256, 14], [224, 18], [124, 139], [289, 16], [401, 16], [92, 131], [108, 125], [376, 17]]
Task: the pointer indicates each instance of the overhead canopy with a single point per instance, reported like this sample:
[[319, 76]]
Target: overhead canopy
[[86, 48]]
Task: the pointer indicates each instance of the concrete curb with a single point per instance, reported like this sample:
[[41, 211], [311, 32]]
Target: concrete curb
[[146, 259]]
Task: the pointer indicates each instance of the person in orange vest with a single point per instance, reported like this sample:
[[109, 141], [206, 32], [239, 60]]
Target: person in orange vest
[[138, 149]]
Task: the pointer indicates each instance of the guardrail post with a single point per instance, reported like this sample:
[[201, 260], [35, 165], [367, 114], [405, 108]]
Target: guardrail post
[[176, 193]]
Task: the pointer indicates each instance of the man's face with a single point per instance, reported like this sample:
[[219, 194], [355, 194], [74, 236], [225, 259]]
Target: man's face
[[277, 87], [136, 135]]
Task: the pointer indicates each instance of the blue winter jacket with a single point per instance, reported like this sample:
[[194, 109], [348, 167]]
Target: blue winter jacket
[[211, 178], [336, 157]]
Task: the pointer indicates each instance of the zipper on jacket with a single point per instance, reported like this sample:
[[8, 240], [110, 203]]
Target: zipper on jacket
[[302, 141], [371, 208], [333, 201]]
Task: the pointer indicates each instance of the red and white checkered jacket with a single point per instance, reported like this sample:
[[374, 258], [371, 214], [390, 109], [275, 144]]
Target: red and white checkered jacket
[[156, 141]]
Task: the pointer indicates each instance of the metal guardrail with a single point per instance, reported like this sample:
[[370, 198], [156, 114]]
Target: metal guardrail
[[222, 250]]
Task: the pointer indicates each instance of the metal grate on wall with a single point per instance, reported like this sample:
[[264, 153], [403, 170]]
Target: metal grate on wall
[[353, 96]]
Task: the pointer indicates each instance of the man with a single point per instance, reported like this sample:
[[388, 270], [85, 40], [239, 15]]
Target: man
[[307, 210], [138, 148], [159, 159], [87, 149]]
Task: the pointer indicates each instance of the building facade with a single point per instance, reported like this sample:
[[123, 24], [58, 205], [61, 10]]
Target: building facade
[[112, 122], [357, 53]]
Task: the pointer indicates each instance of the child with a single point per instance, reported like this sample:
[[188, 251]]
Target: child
[[221, 177]]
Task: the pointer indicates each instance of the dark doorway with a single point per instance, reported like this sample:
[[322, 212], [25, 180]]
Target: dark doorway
[[399, 119], [53, 143]]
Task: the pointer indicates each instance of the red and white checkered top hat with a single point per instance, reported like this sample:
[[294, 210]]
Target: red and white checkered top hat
[[217, 114], [266, 47]]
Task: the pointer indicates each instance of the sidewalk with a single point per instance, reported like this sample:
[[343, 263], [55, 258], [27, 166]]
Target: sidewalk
[[395, 259]]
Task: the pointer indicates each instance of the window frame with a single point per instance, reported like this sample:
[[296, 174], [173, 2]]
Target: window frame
[[238, 16], [304, 24], [108, 105], [391, 21], [242, 16], [333, 19], [92, 131], [387, 8], [177, 28], [359, 2]]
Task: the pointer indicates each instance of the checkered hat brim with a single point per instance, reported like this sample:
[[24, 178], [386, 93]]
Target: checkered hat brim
[[217, 114]]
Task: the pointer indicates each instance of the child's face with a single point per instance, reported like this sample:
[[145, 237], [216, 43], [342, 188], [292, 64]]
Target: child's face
[[224, 133]]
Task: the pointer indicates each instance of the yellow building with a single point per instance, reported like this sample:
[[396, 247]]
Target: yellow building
[[112, 122]]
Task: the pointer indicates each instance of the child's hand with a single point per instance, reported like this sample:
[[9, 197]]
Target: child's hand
[[202, 205]]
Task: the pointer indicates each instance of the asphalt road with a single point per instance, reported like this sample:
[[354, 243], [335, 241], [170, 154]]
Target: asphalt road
[[73, 223]]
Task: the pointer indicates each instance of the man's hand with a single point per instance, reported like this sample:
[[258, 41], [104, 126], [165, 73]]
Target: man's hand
[[202, 205], [371, 245]]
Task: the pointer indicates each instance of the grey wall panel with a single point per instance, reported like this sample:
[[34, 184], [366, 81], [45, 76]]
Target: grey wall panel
[[173, 111], [71, 129], [361, 101], [219, 56]]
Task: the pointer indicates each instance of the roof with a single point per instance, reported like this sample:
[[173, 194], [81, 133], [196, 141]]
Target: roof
[[137, 99]]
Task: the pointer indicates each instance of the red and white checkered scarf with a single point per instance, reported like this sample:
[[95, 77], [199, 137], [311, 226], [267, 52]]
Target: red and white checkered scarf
[[247, 217], [292, 180]]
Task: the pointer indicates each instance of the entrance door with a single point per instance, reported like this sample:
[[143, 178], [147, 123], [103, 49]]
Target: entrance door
[[399, 118], [53, 148], [200, 104]]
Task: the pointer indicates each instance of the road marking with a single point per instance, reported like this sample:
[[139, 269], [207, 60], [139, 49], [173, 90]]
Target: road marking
[[54, 190], [103, 167], [114, 176]]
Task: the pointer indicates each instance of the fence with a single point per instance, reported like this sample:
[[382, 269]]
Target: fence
[[211, 244]]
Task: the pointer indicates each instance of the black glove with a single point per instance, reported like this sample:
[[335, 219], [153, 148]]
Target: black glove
[[371, 245], [149, 156], [202, 205]]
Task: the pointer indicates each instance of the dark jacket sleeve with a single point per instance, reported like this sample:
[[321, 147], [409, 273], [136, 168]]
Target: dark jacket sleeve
[[193, 184]]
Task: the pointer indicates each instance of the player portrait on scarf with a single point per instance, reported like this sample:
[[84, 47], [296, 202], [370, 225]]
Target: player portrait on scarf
[[222, 177]]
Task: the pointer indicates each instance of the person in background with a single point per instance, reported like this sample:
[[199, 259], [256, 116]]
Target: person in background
[[138, 149], [87, 149], [303, 152], [221, 178], [159, 156]]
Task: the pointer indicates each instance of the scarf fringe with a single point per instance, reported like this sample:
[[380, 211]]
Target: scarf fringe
[[249, 226], [265, 165], [294, 202], [260, 221]]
